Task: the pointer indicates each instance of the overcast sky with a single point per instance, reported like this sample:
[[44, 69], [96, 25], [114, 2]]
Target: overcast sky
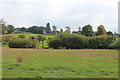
[[62, 13]]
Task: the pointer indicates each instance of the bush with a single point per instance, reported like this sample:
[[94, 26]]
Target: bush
[[21, 36], [41, 38], [55, 43], [6, 38], [74, 41], [115, 44], [21, 43], [100, 42], [68, 41]]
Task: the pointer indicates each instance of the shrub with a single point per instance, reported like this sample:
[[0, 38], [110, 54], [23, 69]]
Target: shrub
[[55, 43], [68, 41], [115, 44], [100, 42], [21, 43], [75, 41], [41, 38], [6, 38], [21, 36], [33, 38]]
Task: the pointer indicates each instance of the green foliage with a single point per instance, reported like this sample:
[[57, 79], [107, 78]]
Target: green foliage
[[115, 44], [6, 38], [68, 29], [41, 38], [21, 43], [68, 41], [10, 29], [3, 27], [21, 36], [55, 43], [74, 41], [23, 29], [101, 30], [54, 31], [109, 33], [100, 42], [87, 30], [48, 29], [36, 30]]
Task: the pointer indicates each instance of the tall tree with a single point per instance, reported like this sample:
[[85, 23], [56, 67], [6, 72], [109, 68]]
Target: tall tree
[[54, 30], [87, 30], [48, 29], [68, 29], [79, 30], [10, 29], [61, 30], [101, 30], [3, 26]]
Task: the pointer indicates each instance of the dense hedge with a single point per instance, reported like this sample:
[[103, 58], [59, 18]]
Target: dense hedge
[[100, 42], [74, 41], [21, 43], [115, 44]]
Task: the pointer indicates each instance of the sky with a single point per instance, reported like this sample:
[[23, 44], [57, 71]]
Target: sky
[[62, 13]]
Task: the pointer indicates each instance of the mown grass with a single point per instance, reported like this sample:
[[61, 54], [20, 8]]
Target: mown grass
[[46, 63]]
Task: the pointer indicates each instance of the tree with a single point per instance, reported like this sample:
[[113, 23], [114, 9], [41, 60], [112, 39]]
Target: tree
[[79, 30], [36, 29], [61, 30], [101, 30], [10, 29], [87, 30], [109, 33], [23, 29], [68, 29], [3, 26], [54, 30], [48, 29]]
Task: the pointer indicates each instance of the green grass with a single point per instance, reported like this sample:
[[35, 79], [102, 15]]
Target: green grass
[[27, 35], [42, 63]]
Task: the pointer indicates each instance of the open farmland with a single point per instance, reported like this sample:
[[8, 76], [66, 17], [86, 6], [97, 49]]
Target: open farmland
[[60, 63]]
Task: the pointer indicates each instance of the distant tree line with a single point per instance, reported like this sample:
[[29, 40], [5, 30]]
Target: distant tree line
[[86, 30]]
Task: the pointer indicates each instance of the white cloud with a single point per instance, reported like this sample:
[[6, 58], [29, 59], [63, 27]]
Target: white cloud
[[73, 13]]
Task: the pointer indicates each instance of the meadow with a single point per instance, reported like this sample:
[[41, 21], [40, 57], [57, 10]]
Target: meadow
[[59, 63]]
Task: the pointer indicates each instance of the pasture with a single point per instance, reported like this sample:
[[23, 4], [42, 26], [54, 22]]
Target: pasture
[[59, 63]]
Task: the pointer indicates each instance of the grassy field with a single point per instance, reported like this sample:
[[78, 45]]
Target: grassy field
[[27, 35], [46, 63]]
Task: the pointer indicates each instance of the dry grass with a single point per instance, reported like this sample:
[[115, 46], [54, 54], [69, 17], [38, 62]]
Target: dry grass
[[19, 59], [81, 52]]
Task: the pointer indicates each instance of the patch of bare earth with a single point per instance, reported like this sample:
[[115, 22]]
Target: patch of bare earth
[[57, 70]]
